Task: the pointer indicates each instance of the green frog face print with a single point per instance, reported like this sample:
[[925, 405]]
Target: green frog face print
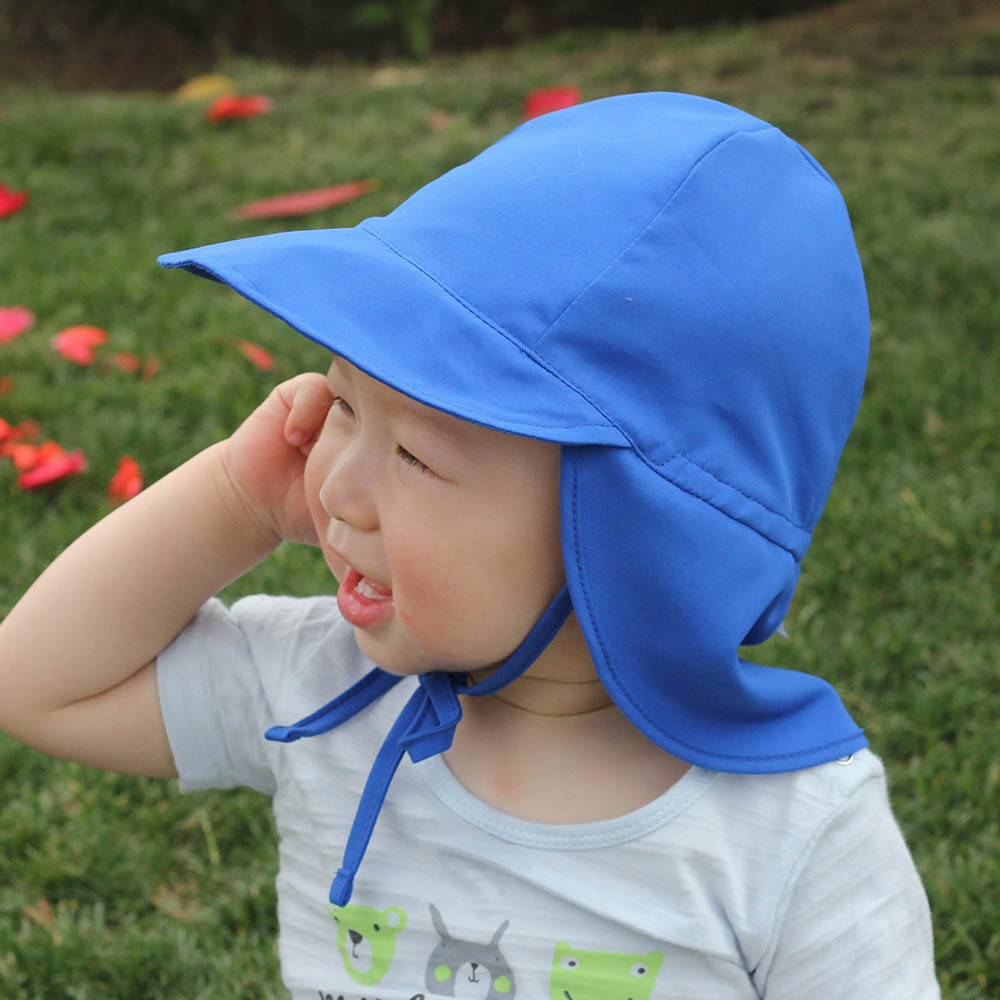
[[602, 975]]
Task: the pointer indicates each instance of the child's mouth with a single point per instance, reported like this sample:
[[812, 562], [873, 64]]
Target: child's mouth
[[363, 602]]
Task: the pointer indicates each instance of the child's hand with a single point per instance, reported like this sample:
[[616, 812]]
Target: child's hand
[[265, 458]]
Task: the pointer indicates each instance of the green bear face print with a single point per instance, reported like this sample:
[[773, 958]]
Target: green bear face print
[[602, 975], [467, 969], [366, 939]]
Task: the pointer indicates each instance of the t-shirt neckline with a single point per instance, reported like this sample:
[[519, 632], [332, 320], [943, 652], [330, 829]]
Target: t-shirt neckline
[[563, 836]]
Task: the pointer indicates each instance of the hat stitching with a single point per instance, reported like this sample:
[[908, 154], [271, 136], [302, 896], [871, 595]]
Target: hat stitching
[[719, 505], [493, 325], [287, 315], [626, 693]]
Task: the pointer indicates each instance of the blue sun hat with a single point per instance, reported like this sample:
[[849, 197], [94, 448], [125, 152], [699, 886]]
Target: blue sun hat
[[667, 287]]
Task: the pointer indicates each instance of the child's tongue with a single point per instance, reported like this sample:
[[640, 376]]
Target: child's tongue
[[364, 602]]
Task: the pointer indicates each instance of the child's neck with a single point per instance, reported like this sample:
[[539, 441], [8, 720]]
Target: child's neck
[[543, 696], [553, 748]]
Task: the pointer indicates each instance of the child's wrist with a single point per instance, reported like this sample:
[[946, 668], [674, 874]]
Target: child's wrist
[[247, 517]]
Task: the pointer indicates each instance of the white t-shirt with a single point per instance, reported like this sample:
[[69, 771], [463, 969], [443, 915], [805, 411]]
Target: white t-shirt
[[727, 887]]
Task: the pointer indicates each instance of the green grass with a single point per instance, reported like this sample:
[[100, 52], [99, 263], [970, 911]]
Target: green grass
[[117, 887]]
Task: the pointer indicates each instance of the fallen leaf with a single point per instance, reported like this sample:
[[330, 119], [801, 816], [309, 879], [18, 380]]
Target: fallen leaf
[[27, 430], [127, 361], [23, 455], [11, 201], [302, 202], [546, 99], [230, 106], [201, 88], [53, 470], [50, 451], [40, 913], [14, 320], [438, 120], [126, 482], [261, 357], [77, 343]]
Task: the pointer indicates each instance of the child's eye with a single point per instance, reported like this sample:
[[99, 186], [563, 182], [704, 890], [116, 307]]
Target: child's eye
[[341, 404], [413, 461]]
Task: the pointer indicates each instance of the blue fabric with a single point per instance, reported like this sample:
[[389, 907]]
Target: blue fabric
[[669, 288]]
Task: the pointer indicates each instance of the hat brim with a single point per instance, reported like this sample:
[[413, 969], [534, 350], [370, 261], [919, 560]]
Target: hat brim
[[350, 292]]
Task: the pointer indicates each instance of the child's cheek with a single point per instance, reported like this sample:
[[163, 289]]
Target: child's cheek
[[438, 605]]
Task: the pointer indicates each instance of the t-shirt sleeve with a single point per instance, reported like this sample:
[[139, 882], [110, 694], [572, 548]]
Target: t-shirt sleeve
[[222, 680], [213, 702], [855, 924]]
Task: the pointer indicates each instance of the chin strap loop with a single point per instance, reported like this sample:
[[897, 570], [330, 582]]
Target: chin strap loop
[[425, 727]]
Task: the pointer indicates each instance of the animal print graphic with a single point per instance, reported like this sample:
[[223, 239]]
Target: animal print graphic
[[602, 975], [467, 969], [366, 939]]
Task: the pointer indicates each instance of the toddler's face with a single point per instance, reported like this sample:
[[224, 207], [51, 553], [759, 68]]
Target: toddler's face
[[444, 535]]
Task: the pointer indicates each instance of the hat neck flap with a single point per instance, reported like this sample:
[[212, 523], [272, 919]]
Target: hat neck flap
[[425, 727], [703, 578]]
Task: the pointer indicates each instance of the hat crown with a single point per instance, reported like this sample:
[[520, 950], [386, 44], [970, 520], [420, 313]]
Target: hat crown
[[683, 264]]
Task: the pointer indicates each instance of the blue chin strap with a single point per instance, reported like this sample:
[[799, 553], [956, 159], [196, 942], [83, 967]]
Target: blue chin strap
[[425, 726]]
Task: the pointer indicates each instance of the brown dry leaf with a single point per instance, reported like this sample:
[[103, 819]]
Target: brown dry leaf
[[439, 119], [42, 914]]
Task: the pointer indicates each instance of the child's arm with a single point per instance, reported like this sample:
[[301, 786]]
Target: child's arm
[[78, 652]]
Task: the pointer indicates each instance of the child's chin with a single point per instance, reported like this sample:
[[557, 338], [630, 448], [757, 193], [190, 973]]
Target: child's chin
[[399, 662], [380, 652]]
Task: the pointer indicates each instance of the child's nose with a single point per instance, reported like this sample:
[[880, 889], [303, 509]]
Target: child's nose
[[347, 493]]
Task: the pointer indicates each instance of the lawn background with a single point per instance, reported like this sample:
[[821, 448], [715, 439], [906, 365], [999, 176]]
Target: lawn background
[[117, 887]]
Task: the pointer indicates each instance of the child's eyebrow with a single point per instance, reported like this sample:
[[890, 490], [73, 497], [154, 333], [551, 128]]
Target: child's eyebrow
[[449, 429]]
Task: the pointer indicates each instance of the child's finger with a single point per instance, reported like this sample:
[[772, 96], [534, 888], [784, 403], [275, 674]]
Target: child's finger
[[308, 398]]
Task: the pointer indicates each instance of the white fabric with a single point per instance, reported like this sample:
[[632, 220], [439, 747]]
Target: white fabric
[[728, 887]]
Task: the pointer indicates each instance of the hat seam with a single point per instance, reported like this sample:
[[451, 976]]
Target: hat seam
[[649, 223], [625, 693], [497, 328], [289, 316], [660, 469]]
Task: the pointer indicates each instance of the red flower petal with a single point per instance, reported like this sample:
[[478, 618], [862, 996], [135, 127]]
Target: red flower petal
[[11, 201], [150, 368], [5, 429], [257, 354], [14, 320], [53, 470], [231, 106], [126, 482], [541, 102], [6, 384], [24, 456], [27, 430], [49, 451], [77, 343], [304, 201], [127, 361]]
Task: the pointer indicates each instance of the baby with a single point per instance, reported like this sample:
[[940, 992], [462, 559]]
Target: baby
[[586, 400]]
